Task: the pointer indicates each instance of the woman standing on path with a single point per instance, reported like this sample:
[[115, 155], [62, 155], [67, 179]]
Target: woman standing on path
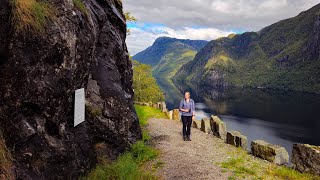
[[187, 110]]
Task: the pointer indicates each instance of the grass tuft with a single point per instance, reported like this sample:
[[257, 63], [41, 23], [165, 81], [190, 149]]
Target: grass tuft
[[81, 6], [31, 15], [124, 168], [280, 172], [142, 153], [5, 161]]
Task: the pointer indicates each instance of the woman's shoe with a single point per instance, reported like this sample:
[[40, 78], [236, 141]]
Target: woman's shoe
[[188, 138], [184, 138]]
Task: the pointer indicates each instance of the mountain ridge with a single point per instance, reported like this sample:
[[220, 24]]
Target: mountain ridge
[[167, 55], [283, 55]]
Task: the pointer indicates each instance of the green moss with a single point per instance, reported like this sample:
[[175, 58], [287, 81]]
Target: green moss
[[81, 6], [92, 111]]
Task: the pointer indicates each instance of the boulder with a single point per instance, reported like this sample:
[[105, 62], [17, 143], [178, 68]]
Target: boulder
[[175, 114], [196, 124], [270, 152], [218, 127], [306, 158], [164, 107], [155, 105], [235, 138], [170, 114], [205, 125]]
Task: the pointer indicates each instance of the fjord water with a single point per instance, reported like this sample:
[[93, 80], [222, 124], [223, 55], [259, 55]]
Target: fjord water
[[279, 117]]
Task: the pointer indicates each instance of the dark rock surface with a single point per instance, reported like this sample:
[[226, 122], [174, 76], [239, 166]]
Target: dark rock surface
[[306, 158], [39, 74]]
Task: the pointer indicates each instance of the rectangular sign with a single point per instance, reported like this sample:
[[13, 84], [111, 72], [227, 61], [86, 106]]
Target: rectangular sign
[[79, 106]]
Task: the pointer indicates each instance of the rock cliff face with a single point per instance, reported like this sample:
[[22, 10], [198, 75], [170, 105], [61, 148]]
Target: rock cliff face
[[39, 74]]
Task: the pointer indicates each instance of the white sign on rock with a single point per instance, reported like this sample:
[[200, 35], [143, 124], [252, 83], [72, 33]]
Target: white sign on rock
[[79, 107]]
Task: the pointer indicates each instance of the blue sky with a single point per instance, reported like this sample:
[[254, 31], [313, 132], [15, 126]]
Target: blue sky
[[204, 19]]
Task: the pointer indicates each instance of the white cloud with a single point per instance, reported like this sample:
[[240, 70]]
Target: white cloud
[[217, 17], [251, 15], [140, 39]]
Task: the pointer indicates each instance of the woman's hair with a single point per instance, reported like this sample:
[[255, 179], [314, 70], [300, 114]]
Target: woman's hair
[[187, 92]]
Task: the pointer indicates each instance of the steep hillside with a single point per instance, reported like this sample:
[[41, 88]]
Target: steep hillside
[[48, 49], [167, 55], [284, 55]]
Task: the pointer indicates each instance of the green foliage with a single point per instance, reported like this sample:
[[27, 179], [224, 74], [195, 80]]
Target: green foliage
[[81, 6], [129, 18], [144, 85], [31, 15]]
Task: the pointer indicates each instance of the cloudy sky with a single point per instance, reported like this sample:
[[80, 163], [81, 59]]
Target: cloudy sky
[[204, 19]]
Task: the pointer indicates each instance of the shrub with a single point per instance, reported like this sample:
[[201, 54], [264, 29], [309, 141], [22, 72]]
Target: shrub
[[145, 85], [31, 15]]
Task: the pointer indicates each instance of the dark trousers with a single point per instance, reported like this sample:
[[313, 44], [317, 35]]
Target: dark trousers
[[186, 124]]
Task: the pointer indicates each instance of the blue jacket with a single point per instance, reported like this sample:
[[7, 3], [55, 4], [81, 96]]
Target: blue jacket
[[185, 105]]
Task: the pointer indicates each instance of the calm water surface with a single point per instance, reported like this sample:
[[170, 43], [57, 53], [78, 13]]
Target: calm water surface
[[279, 117]]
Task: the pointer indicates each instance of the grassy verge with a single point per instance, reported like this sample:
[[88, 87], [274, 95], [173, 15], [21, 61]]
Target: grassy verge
[[243, 165], [130, 165], [5, 161], [31, 15]]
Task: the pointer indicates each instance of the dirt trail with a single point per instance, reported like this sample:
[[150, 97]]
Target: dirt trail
[[196, 159]]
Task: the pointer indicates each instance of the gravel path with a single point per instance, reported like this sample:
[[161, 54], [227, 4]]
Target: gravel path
[[196, 159]]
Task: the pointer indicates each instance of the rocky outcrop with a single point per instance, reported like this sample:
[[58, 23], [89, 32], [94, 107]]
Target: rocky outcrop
[[218, 127], [175, 114], [170, 114], [235, 138], [205, 125], [196, 124], [270, 152], [39, 75], [306, 158]]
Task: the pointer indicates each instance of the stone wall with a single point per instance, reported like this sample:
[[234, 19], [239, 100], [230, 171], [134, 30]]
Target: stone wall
[[305, 158]]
